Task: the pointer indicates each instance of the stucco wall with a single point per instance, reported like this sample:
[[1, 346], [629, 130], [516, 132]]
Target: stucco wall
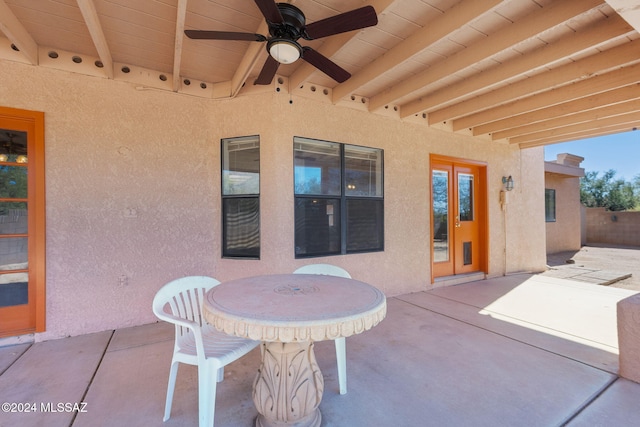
[[617, 228], [113, 151], [565, 233]]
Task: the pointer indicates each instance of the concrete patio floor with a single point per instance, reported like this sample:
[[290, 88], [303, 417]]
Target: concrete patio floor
[[521, 350]]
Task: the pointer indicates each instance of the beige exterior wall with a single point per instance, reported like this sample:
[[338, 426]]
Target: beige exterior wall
[[564, 234], [111, 147], [563, 175]]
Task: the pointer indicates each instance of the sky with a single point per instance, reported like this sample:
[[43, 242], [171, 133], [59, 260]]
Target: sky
[[620, 152]]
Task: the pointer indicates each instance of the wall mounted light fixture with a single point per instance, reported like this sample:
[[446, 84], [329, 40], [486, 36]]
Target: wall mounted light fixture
[[507, 182]]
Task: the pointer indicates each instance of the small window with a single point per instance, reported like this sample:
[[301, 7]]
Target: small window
[[338, 198], [241, 197], [550, 205]]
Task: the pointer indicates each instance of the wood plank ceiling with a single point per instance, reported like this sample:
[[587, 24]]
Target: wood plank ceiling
[[527, 72]]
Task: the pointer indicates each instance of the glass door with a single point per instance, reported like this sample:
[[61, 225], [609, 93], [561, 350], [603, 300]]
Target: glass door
[[21, 223], [467, 226], [457, 218]]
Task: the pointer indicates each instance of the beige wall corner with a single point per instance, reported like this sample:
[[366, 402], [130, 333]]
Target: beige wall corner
[[629, 337]]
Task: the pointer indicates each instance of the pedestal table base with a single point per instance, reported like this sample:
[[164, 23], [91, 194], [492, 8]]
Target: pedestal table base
[[288, 388]]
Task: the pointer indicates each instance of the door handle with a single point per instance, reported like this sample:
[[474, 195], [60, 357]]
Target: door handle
[[458, 221]]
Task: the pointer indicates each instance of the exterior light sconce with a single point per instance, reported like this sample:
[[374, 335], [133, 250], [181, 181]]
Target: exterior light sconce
[[507, 183]]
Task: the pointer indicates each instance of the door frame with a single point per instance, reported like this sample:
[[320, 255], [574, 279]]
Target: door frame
[[481, 206], [33, 122]]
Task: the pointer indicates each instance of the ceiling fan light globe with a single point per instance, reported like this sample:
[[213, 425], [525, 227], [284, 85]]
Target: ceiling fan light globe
[[284, 51]]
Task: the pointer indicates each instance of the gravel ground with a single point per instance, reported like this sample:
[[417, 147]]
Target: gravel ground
[[625, 259]]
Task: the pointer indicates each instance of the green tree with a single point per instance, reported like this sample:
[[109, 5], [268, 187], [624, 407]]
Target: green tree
[[609, 192]]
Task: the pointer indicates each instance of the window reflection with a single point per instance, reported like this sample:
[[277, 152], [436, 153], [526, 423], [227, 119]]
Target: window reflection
[[440, 189], [241, 166], [465, 196], [317, 167], [363, 171]]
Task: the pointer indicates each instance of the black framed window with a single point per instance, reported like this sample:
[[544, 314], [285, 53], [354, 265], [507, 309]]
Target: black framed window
[[550, 205], [339, 200], [241, 197]]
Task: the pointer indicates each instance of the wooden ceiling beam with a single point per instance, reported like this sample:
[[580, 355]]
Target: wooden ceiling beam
[[589, 37], [601, 83], [181, 14], [532, 25], [572, 119], [580, 135], [628, 9], [333, 45], [253, 54], [630, 119], [91, 19], [451, 20], [17, 34], [480, 110], [509, 126]]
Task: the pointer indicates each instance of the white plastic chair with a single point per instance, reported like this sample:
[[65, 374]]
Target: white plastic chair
[[341, 345], [196, 342]]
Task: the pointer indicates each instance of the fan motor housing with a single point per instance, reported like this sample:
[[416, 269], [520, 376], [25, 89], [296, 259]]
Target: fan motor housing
[[293, 23]]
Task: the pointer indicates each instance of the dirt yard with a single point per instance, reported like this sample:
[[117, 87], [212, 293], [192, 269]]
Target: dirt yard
[[624, 259]]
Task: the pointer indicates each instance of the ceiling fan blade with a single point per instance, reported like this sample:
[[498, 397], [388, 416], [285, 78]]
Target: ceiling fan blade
[[224, 35], [270, 10], [268, 71], [356, 19], [325, 65]]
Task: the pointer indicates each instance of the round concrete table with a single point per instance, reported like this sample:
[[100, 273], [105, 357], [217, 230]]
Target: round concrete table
[[288, 312]]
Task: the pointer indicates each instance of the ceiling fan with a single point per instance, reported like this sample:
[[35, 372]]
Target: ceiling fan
[[287, 24]]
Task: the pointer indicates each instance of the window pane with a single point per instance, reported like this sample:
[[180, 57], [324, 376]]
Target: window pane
[[465, 196], [363, 171], [13, 182], [241, 166], [317, 167], [440, 184], [364, 225], [241, 227], [317, 226], [550, 205]]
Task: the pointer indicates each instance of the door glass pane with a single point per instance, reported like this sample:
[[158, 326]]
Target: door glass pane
[[440, 184], [14, 289], [13, 218], [13, 181], [13, 253], [13, 286], [465, 196], [13, 146]]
